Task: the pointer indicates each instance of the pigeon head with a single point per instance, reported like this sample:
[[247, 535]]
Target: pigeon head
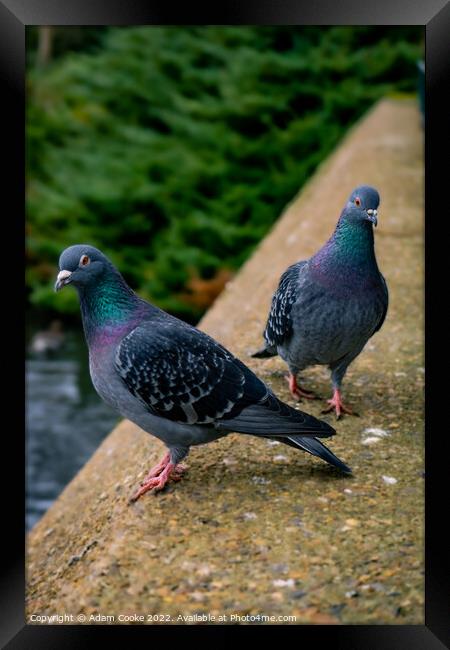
[[81, 265], [362, 205]]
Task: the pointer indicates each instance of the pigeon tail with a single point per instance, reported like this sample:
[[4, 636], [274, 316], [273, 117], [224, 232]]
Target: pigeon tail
[[275, 418], [265, 352], [316, 448]]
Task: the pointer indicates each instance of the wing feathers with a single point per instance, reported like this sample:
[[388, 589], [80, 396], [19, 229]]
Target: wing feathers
[[279, 322], [182, 374]]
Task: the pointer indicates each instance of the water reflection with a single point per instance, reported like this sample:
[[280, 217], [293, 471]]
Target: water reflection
[[65, 423]]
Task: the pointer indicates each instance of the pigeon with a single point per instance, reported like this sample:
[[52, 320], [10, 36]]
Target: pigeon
[[171, 379], [326, 308]]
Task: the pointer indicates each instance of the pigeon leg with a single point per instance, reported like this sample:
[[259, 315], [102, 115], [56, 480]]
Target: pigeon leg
[[158, 477], [337, 405], [297, 392], [157, 469]]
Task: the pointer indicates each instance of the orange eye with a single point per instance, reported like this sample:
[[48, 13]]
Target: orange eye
[[357, 201], [84, 260]]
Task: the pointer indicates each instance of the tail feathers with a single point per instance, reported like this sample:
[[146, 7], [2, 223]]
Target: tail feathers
[[265, 352], [273, 417], [316, 448]]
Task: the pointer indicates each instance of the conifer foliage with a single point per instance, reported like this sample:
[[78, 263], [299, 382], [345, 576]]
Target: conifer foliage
[[174, 149]]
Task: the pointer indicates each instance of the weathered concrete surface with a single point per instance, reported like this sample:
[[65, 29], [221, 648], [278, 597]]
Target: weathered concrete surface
[[261, 529]]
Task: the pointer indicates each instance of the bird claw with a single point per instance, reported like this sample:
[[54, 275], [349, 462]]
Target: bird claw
[[306, 394], [297, 392], [159, 476], [157, 483], [177, 473], [337, 405], [157, 469]]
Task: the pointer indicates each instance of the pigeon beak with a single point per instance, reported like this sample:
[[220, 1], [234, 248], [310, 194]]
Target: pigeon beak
[[62, 279], [372, 216]]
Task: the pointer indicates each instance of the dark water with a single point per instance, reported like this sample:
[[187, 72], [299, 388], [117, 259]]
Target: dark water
[[65, 421]]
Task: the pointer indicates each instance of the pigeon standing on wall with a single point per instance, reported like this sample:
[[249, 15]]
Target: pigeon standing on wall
[[171, 379], [326, 308]]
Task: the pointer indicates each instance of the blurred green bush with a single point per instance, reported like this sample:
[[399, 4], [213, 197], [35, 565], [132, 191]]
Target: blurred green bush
[[174, 149]]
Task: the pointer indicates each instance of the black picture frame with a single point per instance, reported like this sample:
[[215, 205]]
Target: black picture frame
[[434, 15]]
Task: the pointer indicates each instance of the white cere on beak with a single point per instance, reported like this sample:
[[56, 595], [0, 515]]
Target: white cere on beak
[[63, 275], [370, 211], [61, 279]]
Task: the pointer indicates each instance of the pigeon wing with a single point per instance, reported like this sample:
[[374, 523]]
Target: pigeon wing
[[386, 302], [279, 323], [183, 375]]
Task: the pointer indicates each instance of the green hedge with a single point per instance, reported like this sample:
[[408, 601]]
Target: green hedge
[[174, 149]]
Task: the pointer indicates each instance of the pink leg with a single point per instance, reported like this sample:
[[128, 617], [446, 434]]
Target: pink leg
[[158, 477], [297, 392], [337, 404], [157, 469]]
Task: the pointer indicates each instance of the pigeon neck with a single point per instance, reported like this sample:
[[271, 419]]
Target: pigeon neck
[[108, 306], [351, 244], [348, 255]]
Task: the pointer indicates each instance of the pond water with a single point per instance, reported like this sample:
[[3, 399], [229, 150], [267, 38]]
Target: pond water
[[65, 421]]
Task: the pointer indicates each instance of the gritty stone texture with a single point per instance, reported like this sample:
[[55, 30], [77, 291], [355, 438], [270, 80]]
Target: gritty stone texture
[[255, 528]]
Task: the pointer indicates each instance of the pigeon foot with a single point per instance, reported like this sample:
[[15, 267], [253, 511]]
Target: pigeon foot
[[337, 405], [157, 469], [297, 392], [159, 476]]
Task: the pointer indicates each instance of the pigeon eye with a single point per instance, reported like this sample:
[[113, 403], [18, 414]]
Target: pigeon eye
[[84, 260], [357, 201]]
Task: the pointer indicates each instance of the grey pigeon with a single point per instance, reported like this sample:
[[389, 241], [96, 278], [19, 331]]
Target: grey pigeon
[[326, 308], [170, 378]]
